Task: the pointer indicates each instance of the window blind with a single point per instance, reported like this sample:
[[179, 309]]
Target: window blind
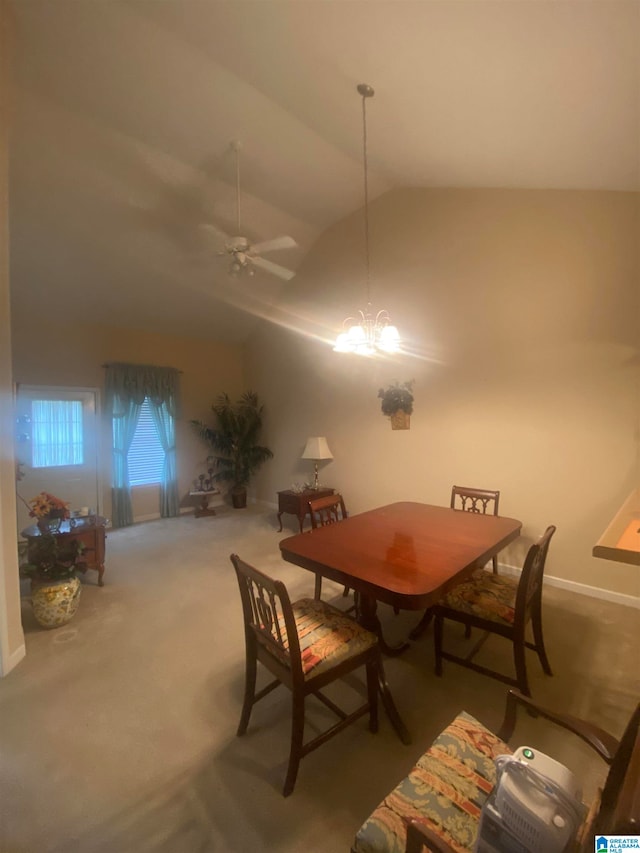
[[146, 455]]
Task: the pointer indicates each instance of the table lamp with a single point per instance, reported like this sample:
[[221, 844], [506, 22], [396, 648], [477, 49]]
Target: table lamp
[[316, 449]]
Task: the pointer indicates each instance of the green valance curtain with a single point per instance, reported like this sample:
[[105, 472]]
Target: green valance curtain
[[127, 386]]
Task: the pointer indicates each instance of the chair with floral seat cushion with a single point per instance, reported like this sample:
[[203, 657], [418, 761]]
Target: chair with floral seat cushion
[[480, 501], [437, 806], [499, 605], [306, 645], [446, 789], [465, 499]]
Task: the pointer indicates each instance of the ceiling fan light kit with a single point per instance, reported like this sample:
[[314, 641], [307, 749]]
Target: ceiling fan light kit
[[368, 333], [245, 256]]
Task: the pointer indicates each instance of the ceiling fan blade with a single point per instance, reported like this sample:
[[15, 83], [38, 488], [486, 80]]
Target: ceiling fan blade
[[274, 245], [275, 269], [217, 233]]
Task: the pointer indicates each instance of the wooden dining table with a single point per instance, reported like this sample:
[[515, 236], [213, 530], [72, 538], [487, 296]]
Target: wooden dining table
[[405, 554]]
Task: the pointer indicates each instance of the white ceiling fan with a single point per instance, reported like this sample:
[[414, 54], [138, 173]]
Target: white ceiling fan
[[244, 255]]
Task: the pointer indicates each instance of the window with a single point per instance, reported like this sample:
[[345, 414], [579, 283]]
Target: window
[[56, 433], [139, 396], [146, 456]]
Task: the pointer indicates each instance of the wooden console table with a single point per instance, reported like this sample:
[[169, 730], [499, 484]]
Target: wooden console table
[[297, 503], [90, 531]]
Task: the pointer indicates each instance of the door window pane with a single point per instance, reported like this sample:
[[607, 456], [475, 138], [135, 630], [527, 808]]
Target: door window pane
[[56, 433]]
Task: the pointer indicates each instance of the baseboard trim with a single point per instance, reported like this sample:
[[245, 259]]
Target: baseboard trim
[[580, 588], [184, 510], [14, 659], [151, 517]]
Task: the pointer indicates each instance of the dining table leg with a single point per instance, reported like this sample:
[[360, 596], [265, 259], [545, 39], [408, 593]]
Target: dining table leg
[[368, 619], [422, 625]]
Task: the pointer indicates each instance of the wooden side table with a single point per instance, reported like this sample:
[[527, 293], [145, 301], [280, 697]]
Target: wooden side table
[[297, 503], [204, 508]]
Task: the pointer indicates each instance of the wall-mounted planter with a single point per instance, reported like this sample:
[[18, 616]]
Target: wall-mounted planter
[[401, 420], [397, 404]]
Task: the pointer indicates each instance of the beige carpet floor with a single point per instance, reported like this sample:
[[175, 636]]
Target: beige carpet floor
[[117, 732]]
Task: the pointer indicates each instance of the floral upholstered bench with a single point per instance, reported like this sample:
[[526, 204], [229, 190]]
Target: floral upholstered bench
[[445, 790], [437, 806]]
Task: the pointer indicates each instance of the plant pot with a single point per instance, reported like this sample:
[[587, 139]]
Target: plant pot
[[55, 602], [51, 523], [400, 420], [239, 498]]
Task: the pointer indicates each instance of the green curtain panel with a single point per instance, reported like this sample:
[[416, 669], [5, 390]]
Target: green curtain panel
[[127, 386], [165, 424]]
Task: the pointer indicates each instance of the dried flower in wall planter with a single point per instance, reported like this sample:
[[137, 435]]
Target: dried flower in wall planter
[[397, 403]]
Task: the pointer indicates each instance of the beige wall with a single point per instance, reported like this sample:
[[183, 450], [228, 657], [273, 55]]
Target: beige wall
[[208, 369], [522, 309]]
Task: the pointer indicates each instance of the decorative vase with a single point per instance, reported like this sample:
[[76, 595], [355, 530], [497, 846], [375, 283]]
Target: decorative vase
[[400, 420], [51, 523], [55, 601]]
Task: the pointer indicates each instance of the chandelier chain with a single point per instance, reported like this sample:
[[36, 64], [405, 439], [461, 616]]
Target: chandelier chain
[[366, 194], [237, 147], [368, 333]]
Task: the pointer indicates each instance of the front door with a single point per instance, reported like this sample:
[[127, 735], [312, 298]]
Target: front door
[[56, 446]]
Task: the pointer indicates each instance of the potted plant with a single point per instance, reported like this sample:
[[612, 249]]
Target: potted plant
[[397, 403], [234, 441], [50, 559]]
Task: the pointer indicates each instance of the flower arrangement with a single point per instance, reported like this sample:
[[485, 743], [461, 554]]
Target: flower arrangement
[[46, 505], [396, 397], [47, 557]]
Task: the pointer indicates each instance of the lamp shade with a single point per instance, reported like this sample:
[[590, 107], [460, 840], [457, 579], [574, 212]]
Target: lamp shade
[[317, 448]]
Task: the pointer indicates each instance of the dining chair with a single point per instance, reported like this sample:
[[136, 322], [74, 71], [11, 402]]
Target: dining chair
[[437, 806], [324, 511], [499, 605], [306, 644], [481, 501], [466, 499]]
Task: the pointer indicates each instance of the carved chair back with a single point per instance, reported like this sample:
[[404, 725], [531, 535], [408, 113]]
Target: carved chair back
[[475, 500], [619, 812], [268, 620], [327, 510], [529, 594], [324, 511]]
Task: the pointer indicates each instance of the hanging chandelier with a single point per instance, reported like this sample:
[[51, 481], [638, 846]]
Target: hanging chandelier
[[369, 332]]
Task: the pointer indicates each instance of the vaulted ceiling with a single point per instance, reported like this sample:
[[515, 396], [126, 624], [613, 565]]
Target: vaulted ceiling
[[124, 111]]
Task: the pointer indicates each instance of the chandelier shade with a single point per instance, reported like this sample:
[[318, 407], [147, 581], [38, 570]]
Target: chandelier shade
[[368, 333]]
